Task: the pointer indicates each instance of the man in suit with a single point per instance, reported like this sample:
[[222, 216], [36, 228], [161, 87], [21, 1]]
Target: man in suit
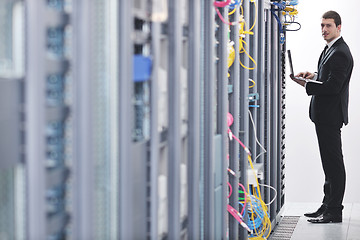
[[329, 111]]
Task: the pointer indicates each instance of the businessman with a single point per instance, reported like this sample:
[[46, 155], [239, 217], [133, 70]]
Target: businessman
[[329, 112]]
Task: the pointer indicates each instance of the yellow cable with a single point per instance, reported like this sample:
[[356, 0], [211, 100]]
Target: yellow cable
[[243, 50], [257, 182], [231, 54], [256, 10], [252, 213], [253, 82], [267, 222], [232, 12], [242, 32], [293, 13], [289, 8]]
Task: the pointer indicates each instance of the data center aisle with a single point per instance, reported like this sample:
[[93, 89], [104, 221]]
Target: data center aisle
[[349, 229]]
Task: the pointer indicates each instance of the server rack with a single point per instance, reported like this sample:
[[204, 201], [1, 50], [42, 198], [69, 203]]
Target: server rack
[[83, 172], [133, 98], [47, 119], [234, 108], [12, 171]]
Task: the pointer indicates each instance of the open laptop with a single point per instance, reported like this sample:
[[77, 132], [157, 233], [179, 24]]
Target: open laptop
[[292, 71]]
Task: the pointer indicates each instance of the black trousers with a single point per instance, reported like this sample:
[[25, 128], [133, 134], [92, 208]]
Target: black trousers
[[329, 139]]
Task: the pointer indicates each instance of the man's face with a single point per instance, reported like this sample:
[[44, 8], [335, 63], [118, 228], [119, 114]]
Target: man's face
[[329, 29]]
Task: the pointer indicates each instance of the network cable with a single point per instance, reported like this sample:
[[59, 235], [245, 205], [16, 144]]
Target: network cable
[[235, 4], [253, 83], [231, 53], [242, 33], [218, 4], [235, 213], [255, 135], [259, 221], [222, 4], [289, 11]]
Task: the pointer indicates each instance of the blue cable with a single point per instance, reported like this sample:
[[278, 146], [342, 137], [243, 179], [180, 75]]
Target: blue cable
[[294, 2], [235, 4], [258, 211], [281, 5], [282, 35], [277, 19], [259, 215]]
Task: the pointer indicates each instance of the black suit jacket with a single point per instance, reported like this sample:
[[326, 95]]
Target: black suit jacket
[[329, 102]]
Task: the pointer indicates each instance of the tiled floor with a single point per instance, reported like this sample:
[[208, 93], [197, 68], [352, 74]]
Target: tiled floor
[[349, 229]]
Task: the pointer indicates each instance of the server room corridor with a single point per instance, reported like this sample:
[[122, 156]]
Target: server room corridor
[[165, 119], [304, 173]]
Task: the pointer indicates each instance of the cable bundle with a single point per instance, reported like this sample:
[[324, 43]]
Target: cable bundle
[[242, 42], [289, 11], [237, 215], [259, 221], [235, 4], [258, 224], [232, 6], [222, 4], [242, 31]]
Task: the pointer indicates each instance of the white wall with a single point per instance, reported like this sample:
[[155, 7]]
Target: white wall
[[304, 175]]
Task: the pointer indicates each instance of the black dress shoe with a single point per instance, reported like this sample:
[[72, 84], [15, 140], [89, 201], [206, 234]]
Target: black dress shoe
[[316, 214], [327, 218]]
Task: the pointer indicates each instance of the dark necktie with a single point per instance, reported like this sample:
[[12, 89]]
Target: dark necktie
[[324, 52]]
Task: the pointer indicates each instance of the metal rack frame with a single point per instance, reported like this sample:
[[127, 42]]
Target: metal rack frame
[[188, 53]]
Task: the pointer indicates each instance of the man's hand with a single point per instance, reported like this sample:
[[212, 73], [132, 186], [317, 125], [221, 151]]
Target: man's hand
[[299, 81], [307, 75]]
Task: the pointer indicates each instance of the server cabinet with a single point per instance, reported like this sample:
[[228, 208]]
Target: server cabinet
[[119, 113]]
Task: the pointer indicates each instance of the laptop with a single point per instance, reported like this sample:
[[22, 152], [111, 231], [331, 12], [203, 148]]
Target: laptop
[[292, 71]]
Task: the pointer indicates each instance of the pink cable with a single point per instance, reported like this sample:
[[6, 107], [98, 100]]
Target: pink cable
[[236, 215], [230, 190], [230, 119], [240, 142], [222, 4], [234, 212], [222, 18]]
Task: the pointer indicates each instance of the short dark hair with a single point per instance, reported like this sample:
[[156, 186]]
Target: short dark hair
[[333, 15]]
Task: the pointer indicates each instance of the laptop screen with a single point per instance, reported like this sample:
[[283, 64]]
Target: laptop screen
[[290, 62]]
